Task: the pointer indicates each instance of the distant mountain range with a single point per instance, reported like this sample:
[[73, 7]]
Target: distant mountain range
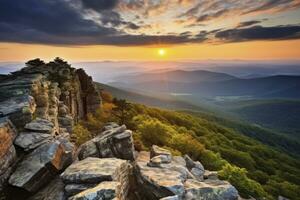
[[208, 84]]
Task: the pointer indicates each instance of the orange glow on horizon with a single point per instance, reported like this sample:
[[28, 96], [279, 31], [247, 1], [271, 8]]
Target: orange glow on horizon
[[259, 50]]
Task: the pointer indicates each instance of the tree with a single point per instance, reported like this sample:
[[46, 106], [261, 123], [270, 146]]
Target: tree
[[122, 110], [35, 62]]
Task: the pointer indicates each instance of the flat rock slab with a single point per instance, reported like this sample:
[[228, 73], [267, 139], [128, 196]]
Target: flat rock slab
[[160, 181], [40, 125], [31, 140], [39, 167], [93, 170], [210, 190]]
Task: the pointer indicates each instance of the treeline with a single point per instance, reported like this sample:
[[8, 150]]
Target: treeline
[[256, 170]]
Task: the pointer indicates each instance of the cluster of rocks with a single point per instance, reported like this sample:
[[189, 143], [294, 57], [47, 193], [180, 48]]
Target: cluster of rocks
[[39, 106], [162, 176]]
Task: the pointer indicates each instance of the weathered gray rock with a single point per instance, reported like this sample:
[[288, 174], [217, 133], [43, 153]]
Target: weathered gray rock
[[39, 167], [158, 160], [31, 140], [53, 191], [115, 142], [110, 125], [92, 170], [103, 191], [159, 182], [209, 190], [40, 125], [18, 109], [157, 151], [196, 168], [88, 149]]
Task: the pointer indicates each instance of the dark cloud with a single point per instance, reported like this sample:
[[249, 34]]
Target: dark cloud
[[55, 17], [269, 4], [248, 23], [62, 22], [260, 33], [99, 5]]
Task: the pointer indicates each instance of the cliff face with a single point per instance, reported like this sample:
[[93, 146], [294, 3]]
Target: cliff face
[[39, 106]]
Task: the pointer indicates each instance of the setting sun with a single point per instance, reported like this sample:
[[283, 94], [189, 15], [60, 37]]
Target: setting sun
[[161, 52]]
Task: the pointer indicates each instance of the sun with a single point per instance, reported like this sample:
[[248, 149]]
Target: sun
[[161, 52]]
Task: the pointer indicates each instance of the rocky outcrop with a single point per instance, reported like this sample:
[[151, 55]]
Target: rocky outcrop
[[38, 107], [178, 178], [115, 141]]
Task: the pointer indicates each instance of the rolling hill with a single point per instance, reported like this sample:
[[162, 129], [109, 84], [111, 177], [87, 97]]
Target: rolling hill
[[207, 84], [266, 136]]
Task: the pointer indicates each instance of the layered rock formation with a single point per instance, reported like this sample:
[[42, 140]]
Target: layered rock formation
[[39, 106]]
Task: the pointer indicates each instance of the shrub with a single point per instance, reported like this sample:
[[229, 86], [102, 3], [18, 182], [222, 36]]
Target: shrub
[[238, 178], [80, 134]]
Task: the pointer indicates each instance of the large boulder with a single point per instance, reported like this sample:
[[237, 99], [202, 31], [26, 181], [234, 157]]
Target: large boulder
[[92, 170], [114, 142], [159, 182], [88, 173], [210, 190], [39, 167]]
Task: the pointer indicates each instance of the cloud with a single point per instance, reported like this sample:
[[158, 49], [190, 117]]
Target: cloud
[[260, 33], [108, 22], [248, 23], [99, 5]]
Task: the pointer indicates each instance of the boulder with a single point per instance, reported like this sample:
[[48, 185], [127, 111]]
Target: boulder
[[156, 151], [92, 170], [53, 191], [159, 182], [103, 191], [110, 125], [196, 168], [39, 167], [158, 160], [18, 109], [40, 125], [88, 149], [31, 140], [209, 190], [115, 142]]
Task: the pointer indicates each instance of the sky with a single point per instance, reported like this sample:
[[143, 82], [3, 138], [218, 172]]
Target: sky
[[91, 30]]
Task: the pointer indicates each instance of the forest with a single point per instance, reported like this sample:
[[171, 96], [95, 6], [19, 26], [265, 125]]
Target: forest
[[257, 170]]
